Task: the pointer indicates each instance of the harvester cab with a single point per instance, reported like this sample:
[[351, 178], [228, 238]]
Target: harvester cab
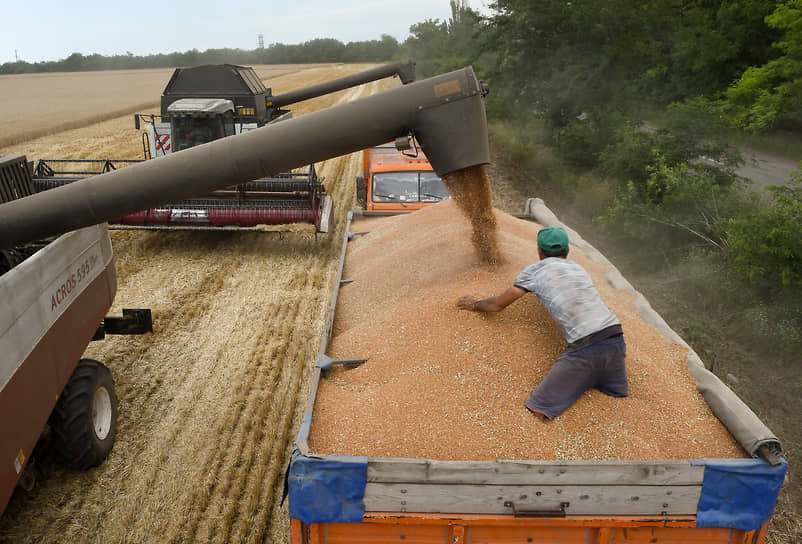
[[203, 103], [199, 121]]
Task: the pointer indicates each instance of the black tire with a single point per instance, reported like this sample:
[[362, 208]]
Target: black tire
[[84, 422]]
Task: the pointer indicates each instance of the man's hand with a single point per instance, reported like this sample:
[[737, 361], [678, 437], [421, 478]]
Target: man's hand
[[467, 303], [492, 304]]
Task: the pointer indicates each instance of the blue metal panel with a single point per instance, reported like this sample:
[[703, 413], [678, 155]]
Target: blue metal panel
[[328, 489]]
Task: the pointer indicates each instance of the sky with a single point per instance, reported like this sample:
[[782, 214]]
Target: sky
[[39, 30]]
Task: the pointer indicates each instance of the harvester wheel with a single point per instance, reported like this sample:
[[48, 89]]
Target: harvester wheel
[[84, 421]]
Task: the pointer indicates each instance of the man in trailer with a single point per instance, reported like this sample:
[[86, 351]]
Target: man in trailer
[[596, 349]]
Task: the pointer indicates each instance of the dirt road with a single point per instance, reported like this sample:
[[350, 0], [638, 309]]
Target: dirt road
[[765, 169], [210, 402]]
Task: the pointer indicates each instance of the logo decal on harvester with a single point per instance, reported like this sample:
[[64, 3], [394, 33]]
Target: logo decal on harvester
[[79, 274]]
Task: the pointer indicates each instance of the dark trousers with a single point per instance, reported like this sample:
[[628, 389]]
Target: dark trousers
[[600, 365]]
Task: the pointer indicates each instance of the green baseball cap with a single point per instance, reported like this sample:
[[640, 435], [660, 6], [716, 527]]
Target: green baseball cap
[[552, 239]]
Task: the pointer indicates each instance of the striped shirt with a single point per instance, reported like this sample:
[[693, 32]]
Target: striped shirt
[[565, 289]]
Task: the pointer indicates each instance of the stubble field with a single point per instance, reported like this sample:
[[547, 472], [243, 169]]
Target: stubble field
[[210, 402]]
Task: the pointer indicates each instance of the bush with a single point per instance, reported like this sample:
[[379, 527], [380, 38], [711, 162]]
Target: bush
[[688, 204], [582, 140], [633, 153], [767, 246]]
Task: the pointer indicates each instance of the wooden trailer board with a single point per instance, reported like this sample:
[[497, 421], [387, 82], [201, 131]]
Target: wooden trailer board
[[358, 497]]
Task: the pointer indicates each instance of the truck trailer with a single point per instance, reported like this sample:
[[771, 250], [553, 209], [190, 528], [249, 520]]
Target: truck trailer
[[346, 494]]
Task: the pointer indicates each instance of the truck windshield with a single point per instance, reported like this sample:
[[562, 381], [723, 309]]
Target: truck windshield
[[408, 187], [191, 131]]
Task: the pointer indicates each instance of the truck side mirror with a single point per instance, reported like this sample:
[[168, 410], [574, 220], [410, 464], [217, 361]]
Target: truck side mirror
[[360, 188], [136, 121]]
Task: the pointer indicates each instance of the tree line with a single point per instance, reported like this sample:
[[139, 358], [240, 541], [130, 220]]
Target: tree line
[[317, 50]]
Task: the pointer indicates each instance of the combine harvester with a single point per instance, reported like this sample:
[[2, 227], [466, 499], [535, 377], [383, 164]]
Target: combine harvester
[[205, 103], [55, 297]]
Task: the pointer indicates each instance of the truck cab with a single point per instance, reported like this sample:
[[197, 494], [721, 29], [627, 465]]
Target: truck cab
[[396, 181]]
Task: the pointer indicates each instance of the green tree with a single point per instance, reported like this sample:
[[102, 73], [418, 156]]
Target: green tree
[[769, 96], [714, 42], [439, 47], [766, 246]]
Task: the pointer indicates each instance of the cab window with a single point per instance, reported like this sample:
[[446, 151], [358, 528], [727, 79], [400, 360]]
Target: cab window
[[191, 131], [408, 187], [395, 187], [432, 188]]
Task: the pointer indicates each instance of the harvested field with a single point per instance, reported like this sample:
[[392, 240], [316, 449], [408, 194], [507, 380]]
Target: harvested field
[[210, 402], [447, 384], [39, 104]]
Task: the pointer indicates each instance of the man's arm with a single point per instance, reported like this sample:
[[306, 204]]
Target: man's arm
[[492, 304]]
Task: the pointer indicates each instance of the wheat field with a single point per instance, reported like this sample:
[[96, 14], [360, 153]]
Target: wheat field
[[209, 403], [37, 105]]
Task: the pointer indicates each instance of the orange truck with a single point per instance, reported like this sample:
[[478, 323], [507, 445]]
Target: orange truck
[[396, 181], [350, 499]]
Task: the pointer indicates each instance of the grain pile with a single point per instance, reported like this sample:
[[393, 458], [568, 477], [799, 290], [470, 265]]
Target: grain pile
[[448, 384]]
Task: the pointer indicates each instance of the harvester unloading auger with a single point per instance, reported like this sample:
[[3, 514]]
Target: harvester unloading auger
[[445, 113], [205, 103]]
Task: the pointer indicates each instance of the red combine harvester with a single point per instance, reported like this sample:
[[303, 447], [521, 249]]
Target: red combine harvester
[[55, 293]]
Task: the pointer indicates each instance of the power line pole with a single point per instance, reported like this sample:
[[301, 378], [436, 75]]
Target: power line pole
[[261, 41]]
